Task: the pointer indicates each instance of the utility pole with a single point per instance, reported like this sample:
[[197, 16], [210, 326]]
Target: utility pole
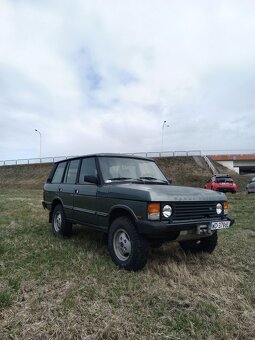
[[162, 135], [40, 144]]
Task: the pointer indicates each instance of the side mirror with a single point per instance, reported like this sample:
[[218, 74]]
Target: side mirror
[[91, 179]]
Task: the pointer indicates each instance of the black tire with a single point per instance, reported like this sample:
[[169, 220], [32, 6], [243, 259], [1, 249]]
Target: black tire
[[127, 248], [206, 244], [60, 226]]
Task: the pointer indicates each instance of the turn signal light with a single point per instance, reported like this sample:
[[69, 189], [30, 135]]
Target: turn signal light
[[225, 208], [153, 211]]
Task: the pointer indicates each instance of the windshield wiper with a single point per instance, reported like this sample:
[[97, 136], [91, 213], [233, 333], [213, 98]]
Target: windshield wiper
[[153, 179], [148, 177], [118, 178]]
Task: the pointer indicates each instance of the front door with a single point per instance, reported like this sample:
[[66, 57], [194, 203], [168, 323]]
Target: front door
[[85, 194]]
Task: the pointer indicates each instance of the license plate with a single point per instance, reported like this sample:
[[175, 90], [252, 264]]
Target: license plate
[[220, 225]]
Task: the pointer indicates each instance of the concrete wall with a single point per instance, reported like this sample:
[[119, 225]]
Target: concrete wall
[[230, 165]]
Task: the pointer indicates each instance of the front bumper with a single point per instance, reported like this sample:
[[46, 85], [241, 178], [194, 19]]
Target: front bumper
[[156, 229], [46, 205]]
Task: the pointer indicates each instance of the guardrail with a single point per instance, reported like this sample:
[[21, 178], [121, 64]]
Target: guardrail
[[151, 154], [33, 160], [59, 158]]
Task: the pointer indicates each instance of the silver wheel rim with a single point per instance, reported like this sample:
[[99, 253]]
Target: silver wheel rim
[[57, 221], [122, 244]]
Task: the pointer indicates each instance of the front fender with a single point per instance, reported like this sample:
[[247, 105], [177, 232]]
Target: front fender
[[116, 211]]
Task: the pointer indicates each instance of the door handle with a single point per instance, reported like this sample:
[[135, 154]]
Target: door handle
[[76, 191]]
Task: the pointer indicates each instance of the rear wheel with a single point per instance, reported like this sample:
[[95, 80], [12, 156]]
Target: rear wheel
[[127, 248], [206, 244], [59, 224]]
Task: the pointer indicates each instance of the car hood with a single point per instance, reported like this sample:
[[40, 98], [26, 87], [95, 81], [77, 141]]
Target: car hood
[[155, 192]]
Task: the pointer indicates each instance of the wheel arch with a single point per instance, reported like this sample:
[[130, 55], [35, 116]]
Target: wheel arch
[[55, 202], [119, 211]]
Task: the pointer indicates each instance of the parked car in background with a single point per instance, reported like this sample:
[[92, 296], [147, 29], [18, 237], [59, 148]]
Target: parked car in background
[[250, 187], [132, 202], [223, 183]]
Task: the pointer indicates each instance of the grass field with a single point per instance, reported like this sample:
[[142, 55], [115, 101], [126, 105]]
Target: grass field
[[55, 288]]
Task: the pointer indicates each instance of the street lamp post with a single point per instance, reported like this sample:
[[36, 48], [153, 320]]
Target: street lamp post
[[162, 136], [40, 144]]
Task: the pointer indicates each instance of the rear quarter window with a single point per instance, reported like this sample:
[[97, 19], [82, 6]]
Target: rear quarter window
[[58, 175]]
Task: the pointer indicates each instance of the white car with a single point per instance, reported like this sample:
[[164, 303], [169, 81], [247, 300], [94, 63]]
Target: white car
[[250, 187]]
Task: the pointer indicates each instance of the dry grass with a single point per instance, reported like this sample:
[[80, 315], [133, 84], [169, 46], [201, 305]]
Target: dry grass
[[54, 288], [32, 175]]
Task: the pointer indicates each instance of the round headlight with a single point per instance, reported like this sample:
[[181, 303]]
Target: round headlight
[[219, 208], [167, 211]]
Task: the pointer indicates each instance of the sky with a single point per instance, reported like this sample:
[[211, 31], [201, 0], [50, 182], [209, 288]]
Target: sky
[[103, 76]]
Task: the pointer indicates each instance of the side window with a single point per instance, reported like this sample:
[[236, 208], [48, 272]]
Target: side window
[[57, 177], [71, 174], [88, 168]]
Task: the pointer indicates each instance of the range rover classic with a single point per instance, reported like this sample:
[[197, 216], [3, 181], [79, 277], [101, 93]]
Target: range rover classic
[[132, 202]]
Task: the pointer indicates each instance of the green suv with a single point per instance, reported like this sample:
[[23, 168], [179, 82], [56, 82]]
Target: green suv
[[132, 202]]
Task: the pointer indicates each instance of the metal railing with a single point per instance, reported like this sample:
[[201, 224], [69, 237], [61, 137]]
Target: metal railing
[[210, 165], [151, 154], [33, 160]]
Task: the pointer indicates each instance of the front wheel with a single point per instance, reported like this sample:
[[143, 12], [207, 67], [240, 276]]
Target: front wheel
[[206, 244], [127, 248], [59, 224]]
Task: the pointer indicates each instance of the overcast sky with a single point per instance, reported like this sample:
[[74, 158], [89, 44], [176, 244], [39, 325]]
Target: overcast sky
[[102, 76]]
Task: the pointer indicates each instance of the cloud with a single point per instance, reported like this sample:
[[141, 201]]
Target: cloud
[[103, 76]]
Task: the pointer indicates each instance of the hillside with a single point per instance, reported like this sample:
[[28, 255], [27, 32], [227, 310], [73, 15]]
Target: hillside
[[191, 171], [28, 175]]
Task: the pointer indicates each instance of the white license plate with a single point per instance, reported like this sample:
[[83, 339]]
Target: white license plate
[[220, 225]]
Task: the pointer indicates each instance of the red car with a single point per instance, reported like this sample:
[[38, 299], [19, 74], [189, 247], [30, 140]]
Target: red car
[[223, 183]]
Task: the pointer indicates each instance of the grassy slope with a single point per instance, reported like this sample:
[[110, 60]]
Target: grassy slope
[[24, 176], [68, 288]]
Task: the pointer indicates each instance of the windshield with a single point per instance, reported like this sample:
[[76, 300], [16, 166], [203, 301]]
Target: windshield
[[118, 168], [224, 180]]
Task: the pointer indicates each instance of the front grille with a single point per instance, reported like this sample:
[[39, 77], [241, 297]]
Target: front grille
[[194, 210]]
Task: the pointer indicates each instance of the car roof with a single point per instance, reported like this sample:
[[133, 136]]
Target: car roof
[[219, 175], [119, 155]]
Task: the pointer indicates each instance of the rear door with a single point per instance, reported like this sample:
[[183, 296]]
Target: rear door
[[52, 188], [85, 193], [66, 188]]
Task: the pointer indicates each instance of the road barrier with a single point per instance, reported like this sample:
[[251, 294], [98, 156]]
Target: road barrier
[[151, 154]]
